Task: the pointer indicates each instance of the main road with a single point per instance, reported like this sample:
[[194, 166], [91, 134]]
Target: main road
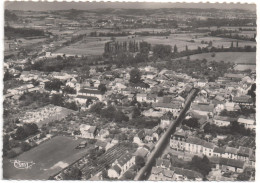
[[164, 140]]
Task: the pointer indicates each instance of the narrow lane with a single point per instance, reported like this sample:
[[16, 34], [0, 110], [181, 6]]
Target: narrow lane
[[164, 140]]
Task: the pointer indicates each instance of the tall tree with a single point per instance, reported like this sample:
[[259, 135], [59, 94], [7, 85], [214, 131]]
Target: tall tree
[[135, 75]]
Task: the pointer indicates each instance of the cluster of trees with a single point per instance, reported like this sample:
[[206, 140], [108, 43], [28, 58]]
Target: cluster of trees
[[8, 146], [199, 68], [252, 91], [8, 76], [126, 46], [73, 174], [58, 99], [25, 131], [28, 98], [135, 76], [147, 33], [12, 32], [234, 114], [110, 112], [108, 34], [221, 22], [162, 51], [232, 35], [192, 123], [233, 129], [201, 165], [69, 90], [54, 84]]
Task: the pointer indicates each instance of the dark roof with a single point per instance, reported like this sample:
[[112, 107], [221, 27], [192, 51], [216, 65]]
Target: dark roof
[[244, 151], [167, 116], [117, 169], [224, 118], [92, 129], [168, 105], [90, 91], [214, 159], [232, 162], [168, 173], [235, 163], [219, 150], [163, 162], [188, 173], [156, 170], [208, 145], [203, 107], [141, 152], [243, 99], [124, 159], [194, 140], [141, 134], [87, 97], [231, 150], [100, 143]]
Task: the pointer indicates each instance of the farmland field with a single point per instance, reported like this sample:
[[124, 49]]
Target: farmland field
[[49, 158], [233, 57], [95, 45], [88, 46]]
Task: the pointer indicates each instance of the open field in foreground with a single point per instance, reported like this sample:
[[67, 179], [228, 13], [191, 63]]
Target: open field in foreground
[[49, 158]]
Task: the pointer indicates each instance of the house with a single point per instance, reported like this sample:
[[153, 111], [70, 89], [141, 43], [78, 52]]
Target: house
[[72, 83], [204, 109], [114, 172], [234, 77], [141, 151], [232, 165], [101, 144], [231, 106], [91, 93], [223, 120], [181, 174], [160, 174], [30, 75], [230, 152], [149, 135], [244, 153], [151, 98], [163, 163], [198, 146], [88, 131], [121, 165], [174, 108], [141, 97], [248, 123], [218, 151], [166, 120], [139, 137], [243, 100], [177, 141], [102, 134], [207, 148], [194, 145], [82, 99]]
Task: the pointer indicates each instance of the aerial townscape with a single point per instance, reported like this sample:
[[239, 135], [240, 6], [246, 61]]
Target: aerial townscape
[[159, 94]]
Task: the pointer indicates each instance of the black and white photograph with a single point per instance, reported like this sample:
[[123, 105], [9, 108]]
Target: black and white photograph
[[129, 91]]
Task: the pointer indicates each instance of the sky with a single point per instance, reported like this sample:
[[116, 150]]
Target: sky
[[43, 6]]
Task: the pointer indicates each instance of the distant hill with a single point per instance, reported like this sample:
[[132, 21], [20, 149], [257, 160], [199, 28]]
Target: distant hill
[[11, 32], [9, 16]]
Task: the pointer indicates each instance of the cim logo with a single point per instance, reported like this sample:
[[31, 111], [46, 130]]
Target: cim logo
[[22, 164]]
